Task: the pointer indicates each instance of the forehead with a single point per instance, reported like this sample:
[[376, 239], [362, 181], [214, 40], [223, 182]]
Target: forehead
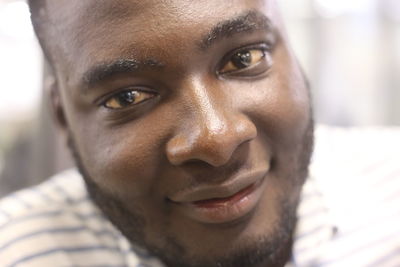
[[93, 31]]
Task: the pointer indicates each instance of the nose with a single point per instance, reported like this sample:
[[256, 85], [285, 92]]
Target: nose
[[211, 131]]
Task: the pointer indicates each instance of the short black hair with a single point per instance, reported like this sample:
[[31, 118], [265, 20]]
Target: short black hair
[[40, 20]]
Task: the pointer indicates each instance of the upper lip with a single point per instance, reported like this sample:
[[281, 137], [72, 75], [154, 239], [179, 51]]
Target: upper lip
[[224, 190]]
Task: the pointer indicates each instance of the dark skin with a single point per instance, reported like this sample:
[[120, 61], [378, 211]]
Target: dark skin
[[166, 103]]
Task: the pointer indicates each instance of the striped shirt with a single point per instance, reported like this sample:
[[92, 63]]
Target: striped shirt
[[349, 213]]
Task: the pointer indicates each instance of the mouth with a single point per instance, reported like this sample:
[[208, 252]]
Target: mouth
[[225, 203]]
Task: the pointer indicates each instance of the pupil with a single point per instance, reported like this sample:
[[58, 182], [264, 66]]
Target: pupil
[[242, 59], [126, 98]]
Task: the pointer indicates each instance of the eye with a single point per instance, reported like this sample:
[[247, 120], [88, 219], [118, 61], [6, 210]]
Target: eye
[[127, 98], [253, 61]]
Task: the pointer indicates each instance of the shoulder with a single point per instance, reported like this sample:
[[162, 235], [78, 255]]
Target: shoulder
[[57, 193], [358, 172], [54, 221]]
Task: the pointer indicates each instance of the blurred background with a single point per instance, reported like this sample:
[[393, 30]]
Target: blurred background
[[350, 51]]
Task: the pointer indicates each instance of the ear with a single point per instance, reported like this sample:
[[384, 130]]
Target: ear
[[57, 109]]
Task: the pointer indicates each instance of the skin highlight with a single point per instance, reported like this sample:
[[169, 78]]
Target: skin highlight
[[197, 133]]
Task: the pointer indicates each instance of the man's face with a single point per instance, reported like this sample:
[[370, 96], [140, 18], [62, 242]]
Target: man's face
[[190, 121]]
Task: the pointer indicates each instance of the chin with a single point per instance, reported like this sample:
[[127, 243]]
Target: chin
[[248, 242]]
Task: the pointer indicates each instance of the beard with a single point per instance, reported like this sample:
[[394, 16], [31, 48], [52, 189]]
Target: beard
[[268, 251]]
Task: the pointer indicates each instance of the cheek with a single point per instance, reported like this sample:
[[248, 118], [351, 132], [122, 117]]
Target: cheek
[[122, 161], [283, 107], [283, 112]]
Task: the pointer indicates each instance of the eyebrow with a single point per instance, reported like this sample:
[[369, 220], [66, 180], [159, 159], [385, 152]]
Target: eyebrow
[[108, 69], [248, 22]]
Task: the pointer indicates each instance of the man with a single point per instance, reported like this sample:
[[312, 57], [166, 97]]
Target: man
[[191, 125]]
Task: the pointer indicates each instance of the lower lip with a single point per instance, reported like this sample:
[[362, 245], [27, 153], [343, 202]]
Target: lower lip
[[224, 210]]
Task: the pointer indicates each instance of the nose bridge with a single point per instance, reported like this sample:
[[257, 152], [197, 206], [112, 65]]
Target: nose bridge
[[209, 110], [214, 128]]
